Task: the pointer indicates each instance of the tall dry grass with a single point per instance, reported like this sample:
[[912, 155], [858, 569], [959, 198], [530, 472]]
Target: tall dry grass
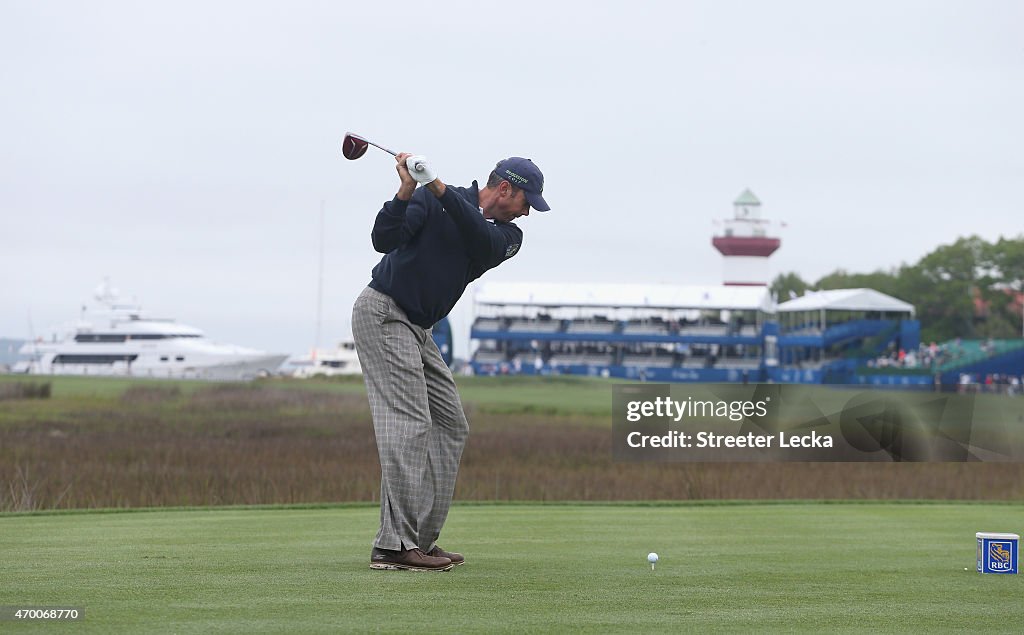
[[25, 390], [259, 444]]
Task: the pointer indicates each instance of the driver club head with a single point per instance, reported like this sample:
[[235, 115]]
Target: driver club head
[[353, 146]]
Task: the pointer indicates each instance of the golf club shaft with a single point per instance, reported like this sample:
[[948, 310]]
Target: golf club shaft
[[394, 154]]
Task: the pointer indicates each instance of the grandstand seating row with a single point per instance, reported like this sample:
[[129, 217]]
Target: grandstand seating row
[[600, 327], [637, 360], [530, 326]]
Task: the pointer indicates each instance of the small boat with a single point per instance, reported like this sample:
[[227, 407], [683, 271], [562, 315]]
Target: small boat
[[341, 360]]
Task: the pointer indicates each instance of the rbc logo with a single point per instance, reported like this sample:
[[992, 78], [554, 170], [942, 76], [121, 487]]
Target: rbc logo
[[999, 556]]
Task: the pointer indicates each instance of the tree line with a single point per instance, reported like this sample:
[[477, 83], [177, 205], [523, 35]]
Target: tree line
[[970, 289]]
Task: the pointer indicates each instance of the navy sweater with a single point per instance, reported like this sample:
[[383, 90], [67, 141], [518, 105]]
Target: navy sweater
[[434, 248]]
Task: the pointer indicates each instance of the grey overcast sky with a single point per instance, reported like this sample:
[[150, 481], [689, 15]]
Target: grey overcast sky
[[183, 148]]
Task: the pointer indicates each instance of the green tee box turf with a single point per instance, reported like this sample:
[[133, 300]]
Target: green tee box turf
[[808, 567]]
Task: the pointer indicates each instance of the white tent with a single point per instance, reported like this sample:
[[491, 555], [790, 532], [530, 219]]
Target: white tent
[[846, 300]]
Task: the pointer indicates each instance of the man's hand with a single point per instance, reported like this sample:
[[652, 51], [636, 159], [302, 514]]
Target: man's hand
[[408, 182], [420, 169], [409, 179]]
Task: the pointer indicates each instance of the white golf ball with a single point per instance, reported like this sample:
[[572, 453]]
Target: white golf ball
[[652, 557]]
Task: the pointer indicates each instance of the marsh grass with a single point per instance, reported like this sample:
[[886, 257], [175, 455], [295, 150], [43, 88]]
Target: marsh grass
[[24, 390], [162, 444]]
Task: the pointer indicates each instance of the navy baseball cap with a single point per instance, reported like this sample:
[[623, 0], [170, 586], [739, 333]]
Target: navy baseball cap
[[524, 174]]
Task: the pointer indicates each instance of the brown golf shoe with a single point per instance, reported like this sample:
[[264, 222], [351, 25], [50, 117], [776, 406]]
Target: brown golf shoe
[[456, 558], [407, 560]]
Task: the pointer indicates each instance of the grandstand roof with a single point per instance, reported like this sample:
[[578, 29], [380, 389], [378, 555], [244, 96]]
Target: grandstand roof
[[846, 300], [647, 296]]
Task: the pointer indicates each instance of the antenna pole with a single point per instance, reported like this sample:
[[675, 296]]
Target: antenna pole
[[319, 285]]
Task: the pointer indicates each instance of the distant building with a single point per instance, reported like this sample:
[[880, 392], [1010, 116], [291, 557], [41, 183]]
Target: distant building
[[745, 244]]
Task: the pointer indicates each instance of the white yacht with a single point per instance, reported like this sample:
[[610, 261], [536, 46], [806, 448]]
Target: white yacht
[[119, 339]]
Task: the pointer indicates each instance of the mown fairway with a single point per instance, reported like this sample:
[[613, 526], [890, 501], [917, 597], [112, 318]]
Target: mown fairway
[[735, 567]]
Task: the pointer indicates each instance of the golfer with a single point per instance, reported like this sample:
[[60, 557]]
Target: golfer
[[435, 240]]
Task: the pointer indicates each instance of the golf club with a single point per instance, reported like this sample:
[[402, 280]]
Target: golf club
[[355, 146]]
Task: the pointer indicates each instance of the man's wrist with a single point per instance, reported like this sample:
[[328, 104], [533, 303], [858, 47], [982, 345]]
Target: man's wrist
[[405, 192], [436, 187]]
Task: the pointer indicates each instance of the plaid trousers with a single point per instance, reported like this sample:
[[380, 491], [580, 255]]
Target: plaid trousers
[[418, 420]]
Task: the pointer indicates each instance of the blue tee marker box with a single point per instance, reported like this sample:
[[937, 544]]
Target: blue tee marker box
[[997, 553]]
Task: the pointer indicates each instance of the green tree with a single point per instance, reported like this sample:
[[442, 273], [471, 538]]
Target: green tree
[[784, 283], [1007, 259], [945, 309], [840, 279], [1007, 256], [964, 261], [952, 278]]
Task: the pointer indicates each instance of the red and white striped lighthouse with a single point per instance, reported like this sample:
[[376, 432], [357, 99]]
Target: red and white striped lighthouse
[[745, 244]]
